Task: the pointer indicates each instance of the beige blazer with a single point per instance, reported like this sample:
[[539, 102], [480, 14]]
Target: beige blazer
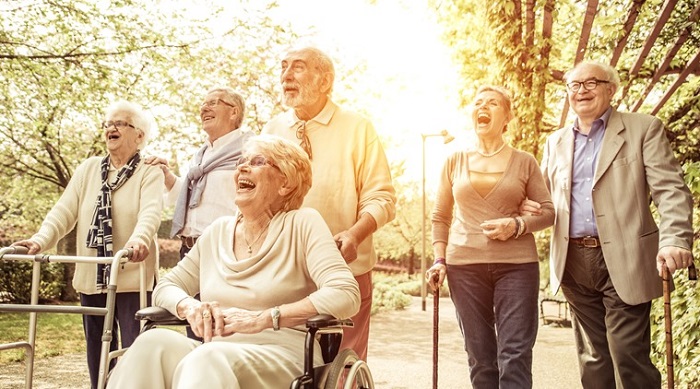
[[635, 162]]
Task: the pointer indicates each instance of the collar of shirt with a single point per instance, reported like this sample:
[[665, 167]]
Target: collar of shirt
[[599, 124], [324, 117], [224, 139]]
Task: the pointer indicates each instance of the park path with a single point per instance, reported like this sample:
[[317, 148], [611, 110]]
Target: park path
[[400, 355], [400, 351]]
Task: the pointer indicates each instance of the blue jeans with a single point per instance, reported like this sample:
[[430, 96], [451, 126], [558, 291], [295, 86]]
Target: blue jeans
[[496, 308]]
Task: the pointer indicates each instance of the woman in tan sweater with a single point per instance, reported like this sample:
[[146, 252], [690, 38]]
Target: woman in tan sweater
[[261, 275], [487, 250]]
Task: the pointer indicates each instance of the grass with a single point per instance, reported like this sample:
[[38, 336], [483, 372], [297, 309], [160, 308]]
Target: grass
[[57, 334]]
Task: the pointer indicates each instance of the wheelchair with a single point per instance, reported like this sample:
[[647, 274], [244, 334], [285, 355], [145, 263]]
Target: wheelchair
[[341, 368]]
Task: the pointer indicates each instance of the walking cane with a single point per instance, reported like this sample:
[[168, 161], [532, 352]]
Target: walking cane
[[668, 319], [692, 275], [436, 307]]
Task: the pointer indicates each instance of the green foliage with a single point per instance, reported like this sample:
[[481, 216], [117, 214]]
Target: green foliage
[[387, 294], [62, 64], [686, 331], [16, 281]]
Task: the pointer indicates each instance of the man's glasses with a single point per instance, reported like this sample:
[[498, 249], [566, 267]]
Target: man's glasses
[[118, 124], [214, 103], [575, 86], [256, 161], [305, 142]]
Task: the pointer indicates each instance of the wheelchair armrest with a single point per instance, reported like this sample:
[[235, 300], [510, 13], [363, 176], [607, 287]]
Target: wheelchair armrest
[[324, 321], [158, 315]]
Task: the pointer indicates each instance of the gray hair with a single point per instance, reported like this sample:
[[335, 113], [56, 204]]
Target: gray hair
[[142, 120], [234, 98], [291, 160], [611, 72]]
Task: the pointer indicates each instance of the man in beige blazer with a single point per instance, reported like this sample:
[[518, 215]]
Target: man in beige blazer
[[606, 249]]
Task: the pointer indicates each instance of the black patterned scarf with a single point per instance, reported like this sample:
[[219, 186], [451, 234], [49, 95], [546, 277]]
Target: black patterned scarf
[[100, 234]]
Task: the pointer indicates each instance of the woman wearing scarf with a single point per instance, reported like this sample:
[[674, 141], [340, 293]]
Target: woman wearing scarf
[[113, 202]]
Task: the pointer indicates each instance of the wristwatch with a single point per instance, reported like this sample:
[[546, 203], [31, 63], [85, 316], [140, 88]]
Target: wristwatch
[[275, 313]]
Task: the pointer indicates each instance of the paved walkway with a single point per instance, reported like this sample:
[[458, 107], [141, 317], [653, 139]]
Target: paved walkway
[[400, 351], [400, 355]]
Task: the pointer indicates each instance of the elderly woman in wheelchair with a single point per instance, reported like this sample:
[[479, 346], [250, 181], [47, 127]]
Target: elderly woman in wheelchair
[[261, 275]]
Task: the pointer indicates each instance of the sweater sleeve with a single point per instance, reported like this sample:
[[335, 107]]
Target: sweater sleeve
[[63, 216], [443, 209], [150, 206], [338, 293], [537, 190], [376, 191]]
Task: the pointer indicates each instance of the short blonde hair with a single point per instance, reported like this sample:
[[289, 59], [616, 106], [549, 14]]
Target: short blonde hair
[[291, 160]]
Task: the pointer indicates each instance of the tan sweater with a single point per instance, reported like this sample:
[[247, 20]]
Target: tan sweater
[[136, 214], [351, 175], [298, 258], [466, 243]]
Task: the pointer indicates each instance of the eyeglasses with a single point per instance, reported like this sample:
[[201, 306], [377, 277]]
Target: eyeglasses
[[255, 161], [587, 85], [305, 142], [214, 103], [118, 124]]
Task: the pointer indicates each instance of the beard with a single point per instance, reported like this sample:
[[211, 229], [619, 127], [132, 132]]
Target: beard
[[307, 94]]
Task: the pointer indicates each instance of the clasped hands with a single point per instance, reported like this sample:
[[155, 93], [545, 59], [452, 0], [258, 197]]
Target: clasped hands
[[208, 319]]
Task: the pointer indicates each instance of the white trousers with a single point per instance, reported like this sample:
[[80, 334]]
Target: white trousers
[[162, 358]]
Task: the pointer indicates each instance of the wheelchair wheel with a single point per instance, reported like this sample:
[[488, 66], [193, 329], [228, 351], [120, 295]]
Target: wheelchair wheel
[[347, 371]]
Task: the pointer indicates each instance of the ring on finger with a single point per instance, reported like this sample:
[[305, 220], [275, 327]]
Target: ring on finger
[[206, 314]]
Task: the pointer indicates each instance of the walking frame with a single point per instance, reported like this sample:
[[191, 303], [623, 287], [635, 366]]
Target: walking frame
[[17, 253]]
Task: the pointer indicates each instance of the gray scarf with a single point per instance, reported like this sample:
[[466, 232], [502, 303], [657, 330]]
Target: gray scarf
[[226, 158]]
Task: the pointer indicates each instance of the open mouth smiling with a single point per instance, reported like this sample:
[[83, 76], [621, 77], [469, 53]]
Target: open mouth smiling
[[483, 118], [244, 184]]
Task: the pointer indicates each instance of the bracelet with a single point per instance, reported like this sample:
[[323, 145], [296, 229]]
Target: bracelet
[[517, 228], [522, 226], [439, 260]]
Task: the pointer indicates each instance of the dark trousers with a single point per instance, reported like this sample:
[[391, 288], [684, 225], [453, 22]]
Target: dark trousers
[[190, 334], [496, 307], [612, 337], [125, 307]]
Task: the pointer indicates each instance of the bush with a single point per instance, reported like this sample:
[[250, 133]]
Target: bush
[[16, 281]]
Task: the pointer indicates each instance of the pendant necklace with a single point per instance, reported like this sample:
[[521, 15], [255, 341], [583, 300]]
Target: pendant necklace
[[250, 245], [487, 155]]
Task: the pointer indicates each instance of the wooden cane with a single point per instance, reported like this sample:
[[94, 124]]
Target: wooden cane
[[436, 307], [668, 320]]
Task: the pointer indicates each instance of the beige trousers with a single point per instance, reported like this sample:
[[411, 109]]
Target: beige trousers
[[162, 358]]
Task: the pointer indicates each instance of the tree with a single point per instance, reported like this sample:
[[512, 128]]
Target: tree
[[63, 62]]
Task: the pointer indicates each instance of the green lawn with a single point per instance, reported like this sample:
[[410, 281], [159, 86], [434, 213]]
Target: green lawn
[[57, 334]]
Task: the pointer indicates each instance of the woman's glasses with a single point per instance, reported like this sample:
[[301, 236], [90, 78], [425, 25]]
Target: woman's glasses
[[118, 124], [255, 161]]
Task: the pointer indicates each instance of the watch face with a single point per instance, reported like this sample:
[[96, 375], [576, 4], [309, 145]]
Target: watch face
[[275, 312]]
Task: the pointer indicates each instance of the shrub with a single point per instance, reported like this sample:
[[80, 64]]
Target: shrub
[[16, 281]]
